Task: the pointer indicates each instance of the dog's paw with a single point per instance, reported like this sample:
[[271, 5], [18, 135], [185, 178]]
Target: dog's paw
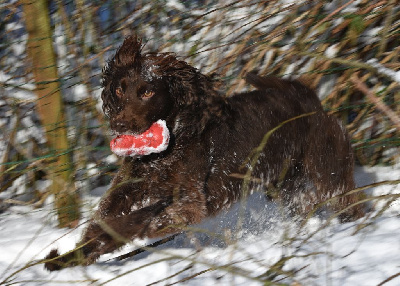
[[54, 261], [54, 264]]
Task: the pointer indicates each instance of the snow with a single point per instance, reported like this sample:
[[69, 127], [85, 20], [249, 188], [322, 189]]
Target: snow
[[383, 70], [337, 254], [332, 51], [24, 90], [149, 71], [175, 4], [77, 93]]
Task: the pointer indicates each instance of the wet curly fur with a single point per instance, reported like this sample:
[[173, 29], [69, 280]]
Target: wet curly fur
[[305, 161]]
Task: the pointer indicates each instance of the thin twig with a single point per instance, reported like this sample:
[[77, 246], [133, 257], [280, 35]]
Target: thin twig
[[192, 276], [377, 101], [145, 248], [389, 279]]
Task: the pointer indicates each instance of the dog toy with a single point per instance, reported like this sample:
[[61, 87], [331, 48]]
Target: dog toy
[[153, 140]]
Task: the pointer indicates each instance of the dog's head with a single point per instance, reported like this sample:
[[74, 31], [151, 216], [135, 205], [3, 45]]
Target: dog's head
[[139, 89]]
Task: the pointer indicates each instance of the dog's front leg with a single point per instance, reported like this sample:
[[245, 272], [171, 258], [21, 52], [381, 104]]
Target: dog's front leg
[[107, 233], [104, 235], [161, 218]]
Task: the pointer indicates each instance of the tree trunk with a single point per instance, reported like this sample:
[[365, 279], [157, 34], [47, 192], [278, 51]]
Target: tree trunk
[[50, 107]]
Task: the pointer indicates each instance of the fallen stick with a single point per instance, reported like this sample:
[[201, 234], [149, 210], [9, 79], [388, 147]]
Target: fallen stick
[[145, 248]]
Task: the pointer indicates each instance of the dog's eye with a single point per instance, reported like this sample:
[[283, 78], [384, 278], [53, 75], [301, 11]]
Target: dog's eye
[[148, 94], [119, 92]]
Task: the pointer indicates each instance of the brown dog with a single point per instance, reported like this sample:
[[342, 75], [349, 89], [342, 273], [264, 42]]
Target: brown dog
[[211, 148]]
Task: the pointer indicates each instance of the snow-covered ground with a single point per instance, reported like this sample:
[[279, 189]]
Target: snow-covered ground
[[334, 255]]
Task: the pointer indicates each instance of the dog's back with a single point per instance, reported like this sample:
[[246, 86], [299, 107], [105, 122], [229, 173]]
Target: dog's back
[[305, 161]]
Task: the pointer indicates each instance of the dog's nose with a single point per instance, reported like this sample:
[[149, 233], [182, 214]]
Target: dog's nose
[[119, 126]]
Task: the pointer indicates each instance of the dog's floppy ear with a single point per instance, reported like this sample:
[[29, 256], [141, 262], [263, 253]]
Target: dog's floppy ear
[[109, 102], [185, 83], [129, 54], [181, 78], [126, 57], [181, 89]]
